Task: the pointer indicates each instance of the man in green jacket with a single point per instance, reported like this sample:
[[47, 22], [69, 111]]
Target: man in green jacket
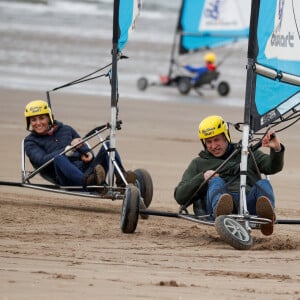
[[220, 190]]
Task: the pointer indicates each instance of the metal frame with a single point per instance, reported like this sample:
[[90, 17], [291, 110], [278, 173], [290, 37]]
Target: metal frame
[[110, 191]]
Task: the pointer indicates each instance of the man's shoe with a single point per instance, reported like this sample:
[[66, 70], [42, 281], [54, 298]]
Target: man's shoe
[[130, 177], [224, 205], [264, 209], [99, 174]]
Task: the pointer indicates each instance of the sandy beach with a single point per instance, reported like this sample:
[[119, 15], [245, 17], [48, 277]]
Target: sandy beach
[[55, 246], [66, 247]]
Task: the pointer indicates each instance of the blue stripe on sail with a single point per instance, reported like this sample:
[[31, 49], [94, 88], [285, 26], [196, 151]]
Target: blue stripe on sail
[[271, 93], [126, 19], [191, 14], [211, 39]]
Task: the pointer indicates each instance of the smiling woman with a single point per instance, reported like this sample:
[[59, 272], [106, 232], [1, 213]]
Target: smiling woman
[[38, 116], [40, 124], [71, 161]]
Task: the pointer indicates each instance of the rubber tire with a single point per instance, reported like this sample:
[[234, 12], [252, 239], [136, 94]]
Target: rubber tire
[[142, 83], [223, 88], [184, 85], [130, 209], [145, 185], [233, 233]]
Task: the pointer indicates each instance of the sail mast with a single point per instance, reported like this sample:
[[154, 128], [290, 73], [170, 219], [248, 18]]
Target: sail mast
[[173, 49], [252, 53], [114, 89], [250, 90]]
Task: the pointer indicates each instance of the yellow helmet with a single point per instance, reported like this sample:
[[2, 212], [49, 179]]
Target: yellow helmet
[[36, 108], [212, 126], [210, 57]]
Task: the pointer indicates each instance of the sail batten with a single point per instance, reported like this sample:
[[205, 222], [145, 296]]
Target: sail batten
[[289, 78], [265, 71], [281, 76]]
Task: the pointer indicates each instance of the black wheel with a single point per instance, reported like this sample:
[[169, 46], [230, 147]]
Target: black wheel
[[142, 83], [233, 233], [130, 209], [223, 88], [145, 185], [184, 85]]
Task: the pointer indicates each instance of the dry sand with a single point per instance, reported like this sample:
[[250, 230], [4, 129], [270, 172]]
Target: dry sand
[[63, 247]]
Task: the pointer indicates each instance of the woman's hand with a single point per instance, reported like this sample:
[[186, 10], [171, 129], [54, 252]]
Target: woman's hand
[[76, 141], [87, 157]]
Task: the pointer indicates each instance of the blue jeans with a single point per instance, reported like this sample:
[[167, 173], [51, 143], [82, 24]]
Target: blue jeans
[[69, 173], [217, 187]]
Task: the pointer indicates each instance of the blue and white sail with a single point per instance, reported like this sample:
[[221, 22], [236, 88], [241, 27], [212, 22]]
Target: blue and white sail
[[129, 10], [273, 79], [212, 23], [124, 17]]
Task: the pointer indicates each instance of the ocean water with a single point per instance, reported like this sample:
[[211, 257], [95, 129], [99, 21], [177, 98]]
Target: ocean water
[[47, 43]]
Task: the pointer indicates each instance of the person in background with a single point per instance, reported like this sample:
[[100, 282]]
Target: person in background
[[221, 191], [48, 138], [209, 59]]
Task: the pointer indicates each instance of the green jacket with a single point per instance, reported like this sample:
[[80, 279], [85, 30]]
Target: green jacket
[[193, 176]]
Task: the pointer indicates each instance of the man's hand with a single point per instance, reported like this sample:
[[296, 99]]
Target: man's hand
[[208, 174], [271, 140]]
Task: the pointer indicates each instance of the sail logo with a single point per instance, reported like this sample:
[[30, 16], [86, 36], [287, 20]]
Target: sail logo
[[281, 40], [280, 14], [224, 15], [213, 9], [278, 39]]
